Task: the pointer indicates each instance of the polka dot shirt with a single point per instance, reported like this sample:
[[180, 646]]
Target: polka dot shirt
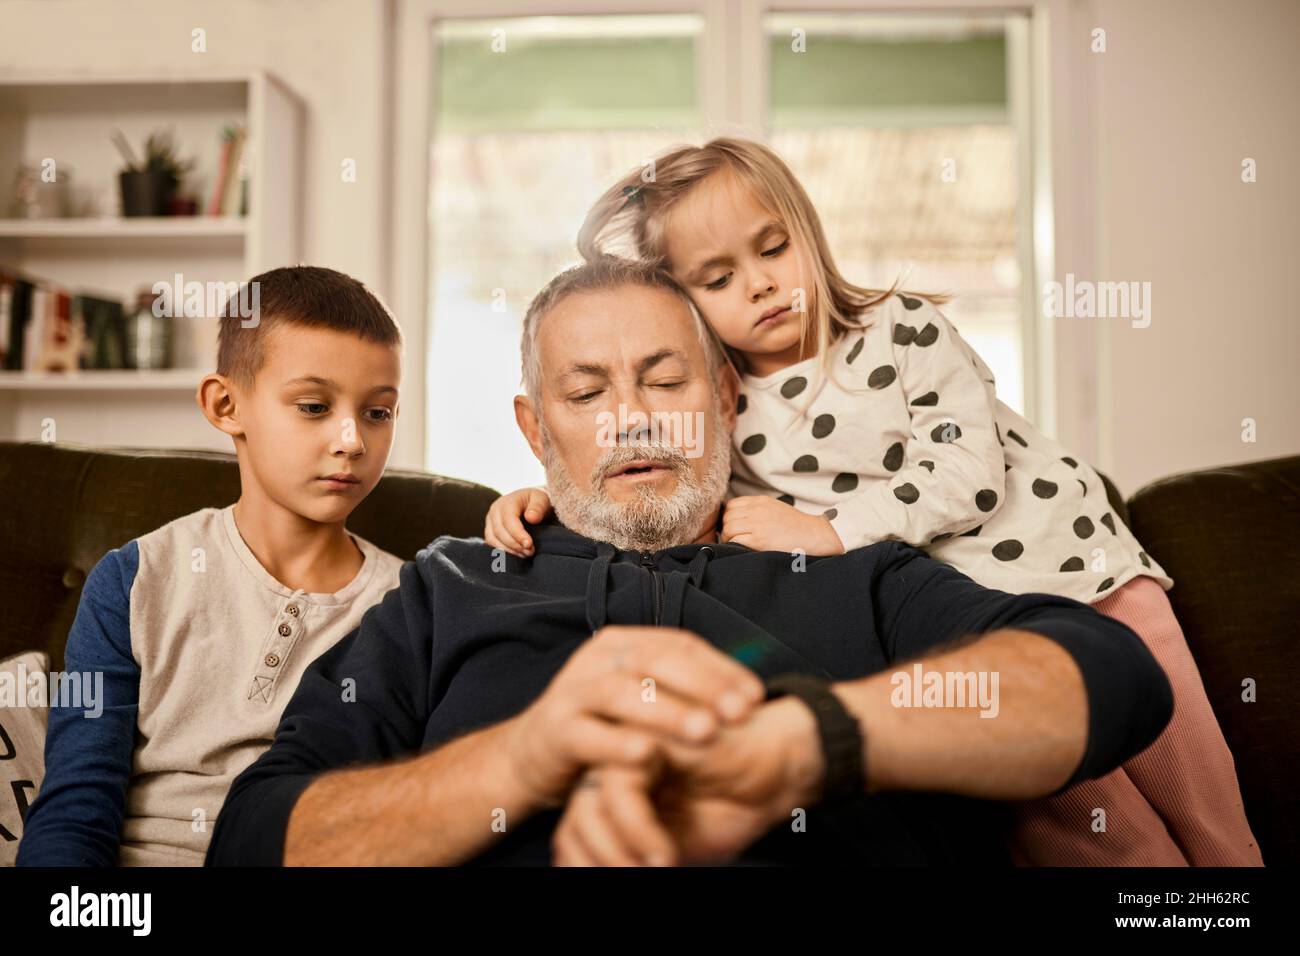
[[906, 440]]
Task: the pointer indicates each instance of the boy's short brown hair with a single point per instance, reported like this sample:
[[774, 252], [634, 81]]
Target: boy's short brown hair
[[302, 295]]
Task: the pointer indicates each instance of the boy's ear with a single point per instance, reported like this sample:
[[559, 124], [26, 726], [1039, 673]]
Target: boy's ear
[[528, 424], [216, 399]]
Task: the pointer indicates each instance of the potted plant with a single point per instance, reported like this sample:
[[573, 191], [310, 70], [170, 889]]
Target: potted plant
[[148, 186]]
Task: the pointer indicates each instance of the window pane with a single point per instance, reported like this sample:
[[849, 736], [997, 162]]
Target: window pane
[[524, 140], [899, 128]]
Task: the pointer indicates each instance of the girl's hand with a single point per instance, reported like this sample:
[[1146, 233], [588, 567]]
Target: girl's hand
[[504, 528], [765, 524]]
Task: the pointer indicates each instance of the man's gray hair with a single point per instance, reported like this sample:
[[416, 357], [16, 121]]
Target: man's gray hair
[[606, 272]]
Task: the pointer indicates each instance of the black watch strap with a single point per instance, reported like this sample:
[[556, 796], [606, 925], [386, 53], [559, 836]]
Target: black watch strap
[[841, 736]]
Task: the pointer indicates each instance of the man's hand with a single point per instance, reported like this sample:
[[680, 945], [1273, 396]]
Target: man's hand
[[765, 524], [696, 803], [596, 711]]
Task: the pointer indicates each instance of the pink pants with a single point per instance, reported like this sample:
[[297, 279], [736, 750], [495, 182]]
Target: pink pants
[[1175, 804]]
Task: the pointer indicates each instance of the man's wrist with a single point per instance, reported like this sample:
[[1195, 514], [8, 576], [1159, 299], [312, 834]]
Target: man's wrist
[[508, 778], [804, 763]]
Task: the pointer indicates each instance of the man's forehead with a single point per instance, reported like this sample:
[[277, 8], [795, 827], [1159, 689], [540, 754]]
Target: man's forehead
[[629, 327]]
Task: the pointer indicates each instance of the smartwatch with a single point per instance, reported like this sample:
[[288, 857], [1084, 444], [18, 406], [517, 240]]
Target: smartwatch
[[841, 736]]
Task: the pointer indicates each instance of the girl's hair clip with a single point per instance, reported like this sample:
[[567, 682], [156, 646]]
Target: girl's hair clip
[[634, 194]]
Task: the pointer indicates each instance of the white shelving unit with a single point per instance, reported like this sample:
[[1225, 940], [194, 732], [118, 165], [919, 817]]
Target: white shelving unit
[[70, 118]]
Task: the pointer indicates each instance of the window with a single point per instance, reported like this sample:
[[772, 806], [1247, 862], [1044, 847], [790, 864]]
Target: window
[[524, 139], [909, 132], [899, 129]]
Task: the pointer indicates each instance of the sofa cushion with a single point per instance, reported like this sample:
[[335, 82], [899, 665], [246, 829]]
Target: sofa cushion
[[1228, 537]]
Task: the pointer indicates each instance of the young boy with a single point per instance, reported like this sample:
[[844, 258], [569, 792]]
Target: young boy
[[203, 628]]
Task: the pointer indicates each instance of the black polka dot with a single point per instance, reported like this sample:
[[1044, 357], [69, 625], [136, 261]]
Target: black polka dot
[[1105, 584], [1071, 462], [742, 403], [929, 398], [1016, 438], [909, 303], [1083, 527], [844, 481], [753, 444], [973, 532], [1082, 485], [881, 377], [1044, 488], [986, 500], [787, 499], [907, 493], [904, 334], [947, 432], [893, 459], [856, 350], [927, 336], [1142, 556], [805, 463], [1074, 564], [794, 386], [928, 465], [1008, 550], [941, 537], [1109, 521], [823, 425], [829, 514]]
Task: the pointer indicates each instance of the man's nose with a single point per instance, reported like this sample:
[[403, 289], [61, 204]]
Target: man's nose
[[633, 412]]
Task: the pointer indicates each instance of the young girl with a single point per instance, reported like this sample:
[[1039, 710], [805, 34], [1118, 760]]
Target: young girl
[[864, 417]]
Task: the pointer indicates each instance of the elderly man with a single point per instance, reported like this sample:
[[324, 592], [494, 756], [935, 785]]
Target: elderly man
[[603, 701]]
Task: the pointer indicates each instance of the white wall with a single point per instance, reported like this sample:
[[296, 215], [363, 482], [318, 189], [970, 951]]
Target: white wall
[[1184, 92]]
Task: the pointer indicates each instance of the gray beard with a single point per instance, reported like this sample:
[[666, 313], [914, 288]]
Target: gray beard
[[649, 521]]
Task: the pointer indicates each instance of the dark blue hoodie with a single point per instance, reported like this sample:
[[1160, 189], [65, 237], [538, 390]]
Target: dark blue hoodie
[[469, 639]]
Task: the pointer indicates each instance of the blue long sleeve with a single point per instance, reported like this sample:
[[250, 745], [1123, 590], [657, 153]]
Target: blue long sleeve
[[76, 819]]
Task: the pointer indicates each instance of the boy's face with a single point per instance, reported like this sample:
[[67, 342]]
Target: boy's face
[[323, 404]]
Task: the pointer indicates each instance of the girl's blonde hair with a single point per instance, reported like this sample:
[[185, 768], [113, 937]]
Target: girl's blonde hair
[[635, 210]]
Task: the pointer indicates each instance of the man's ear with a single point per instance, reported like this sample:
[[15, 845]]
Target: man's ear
[[526, 418], [216, 399]]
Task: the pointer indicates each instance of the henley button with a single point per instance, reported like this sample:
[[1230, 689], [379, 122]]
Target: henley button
[[272, 660], [284, 630], [292, 609]]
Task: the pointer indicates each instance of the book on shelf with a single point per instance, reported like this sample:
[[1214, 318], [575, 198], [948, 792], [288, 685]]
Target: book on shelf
[[46, 328], [227, 198]]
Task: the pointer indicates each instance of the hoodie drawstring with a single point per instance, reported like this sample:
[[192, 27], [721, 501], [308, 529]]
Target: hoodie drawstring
[[675, 593], [597, 580]]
